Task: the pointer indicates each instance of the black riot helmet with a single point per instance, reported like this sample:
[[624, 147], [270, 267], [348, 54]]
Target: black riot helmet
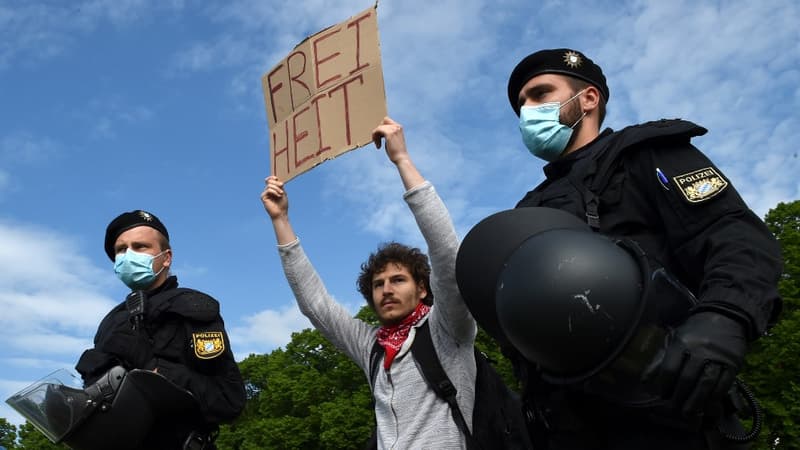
[[567, 299], [582, 308], [482, 256]]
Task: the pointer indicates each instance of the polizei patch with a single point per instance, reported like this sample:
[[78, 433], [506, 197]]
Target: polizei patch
[[209, 344], [700, 185]]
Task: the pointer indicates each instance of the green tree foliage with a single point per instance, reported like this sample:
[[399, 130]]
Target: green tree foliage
[[502, 365], [8, 434], [773, 366], [27, 437], [306, 396], [32, 439]]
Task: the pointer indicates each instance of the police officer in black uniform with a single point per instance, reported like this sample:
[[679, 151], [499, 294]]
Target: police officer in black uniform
[[649, 184], [175, 332]]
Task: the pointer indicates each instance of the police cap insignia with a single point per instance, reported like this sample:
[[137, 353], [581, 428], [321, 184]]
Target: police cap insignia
[[125, 222], [208, 344], [700, 185], [561, 61], [572, 59]]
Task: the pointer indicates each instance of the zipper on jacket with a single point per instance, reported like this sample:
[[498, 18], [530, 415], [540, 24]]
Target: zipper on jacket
[[391, 406]]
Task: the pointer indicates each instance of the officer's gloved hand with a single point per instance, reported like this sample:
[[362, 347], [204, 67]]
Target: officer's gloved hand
[[132, 347], [700, 362]]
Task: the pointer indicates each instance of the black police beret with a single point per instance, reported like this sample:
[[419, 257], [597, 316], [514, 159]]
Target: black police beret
[[561, 61], [128, 220]]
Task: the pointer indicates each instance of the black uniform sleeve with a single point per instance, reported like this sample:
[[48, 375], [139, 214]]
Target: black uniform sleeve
[[733, 259], [211, 373], [94, 363], [111, 349]]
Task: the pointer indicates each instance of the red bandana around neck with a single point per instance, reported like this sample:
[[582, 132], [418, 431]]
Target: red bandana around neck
[[391, 338]]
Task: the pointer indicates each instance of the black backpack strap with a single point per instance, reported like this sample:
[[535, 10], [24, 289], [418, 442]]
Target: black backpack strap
[[374, 360], [437, 379]]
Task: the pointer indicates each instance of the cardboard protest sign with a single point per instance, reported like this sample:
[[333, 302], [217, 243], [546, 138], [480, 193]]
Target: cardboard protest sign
[[326, 96]]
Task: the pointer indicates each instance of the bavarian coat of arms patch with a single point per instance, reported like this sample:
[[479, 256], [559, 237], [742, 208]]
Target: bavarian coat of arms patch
[[700, 185], [208, 344]]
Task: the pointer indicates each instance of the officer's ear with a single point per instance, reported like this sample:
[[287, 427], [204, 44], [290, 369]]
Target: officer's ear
[[167, 258], [590, 100]]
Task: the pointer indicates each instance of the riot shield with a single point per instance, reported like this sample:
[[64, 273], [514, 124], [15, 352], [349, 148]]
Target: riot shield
[[118, 411]]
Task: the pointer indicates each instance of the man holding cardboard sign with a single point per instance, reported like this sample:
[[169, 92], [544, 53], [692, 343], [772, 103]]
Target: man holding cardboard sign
[[398, 284]]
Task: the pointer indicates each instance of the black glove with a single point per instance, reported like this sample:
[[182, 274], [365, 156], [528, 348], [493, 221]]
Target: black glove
[[94, 363], [700, 362], [132, 347]]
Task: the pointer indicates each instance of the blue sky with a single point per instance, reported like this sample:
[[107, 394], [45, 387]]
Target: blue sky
[[112, 105]]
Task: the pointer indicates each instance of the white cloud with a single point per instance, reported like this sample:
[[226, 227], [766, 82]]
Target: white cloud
[[52, 343], [304, 16], [34, 32], [42, 364], [51, 295], [189, 272], [13, 386], [20, 148], [254, 36], [269, 329], [266, 330], [7, 389], [104, 116], [226, 51], [379, 190], [46, 307], [118, 12], [439, 63], [25, 148], [52, 301]]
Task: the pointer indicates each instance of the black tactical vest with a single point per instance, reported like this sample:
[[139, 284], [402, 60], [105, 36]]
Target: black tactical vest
[[591, 184]]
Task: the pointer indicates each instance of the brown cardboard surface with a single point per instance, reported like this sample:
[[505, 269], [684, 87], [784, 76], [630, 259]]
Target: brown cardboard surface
[[326, 96]]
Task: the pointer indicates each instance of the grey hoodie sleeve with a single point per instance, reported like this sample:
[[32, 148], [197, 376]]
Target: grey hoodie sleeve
[[450, 312], [350, 335]]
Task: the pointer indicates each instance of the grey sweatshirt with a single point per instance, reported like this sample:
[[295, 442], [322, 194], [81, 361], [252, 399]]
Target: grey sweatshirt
[[408, 413]]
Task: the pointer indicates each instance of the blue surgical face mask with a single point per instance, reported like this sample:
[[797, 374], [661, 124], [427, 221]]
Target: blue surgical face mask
[[542, 132], [136, 269]]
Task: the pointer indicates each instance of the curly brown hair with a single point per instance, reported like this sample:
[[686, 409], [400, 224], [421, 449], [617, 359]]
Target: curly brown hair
[[392, 252]]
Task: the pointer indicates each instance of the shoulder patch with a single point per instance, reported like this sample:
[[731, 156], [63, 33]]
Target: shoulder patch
[[700, 185], [208, 344]]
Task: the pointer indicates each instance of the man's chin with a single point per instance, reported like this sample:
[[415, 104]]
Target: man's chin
[[389, 320]]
